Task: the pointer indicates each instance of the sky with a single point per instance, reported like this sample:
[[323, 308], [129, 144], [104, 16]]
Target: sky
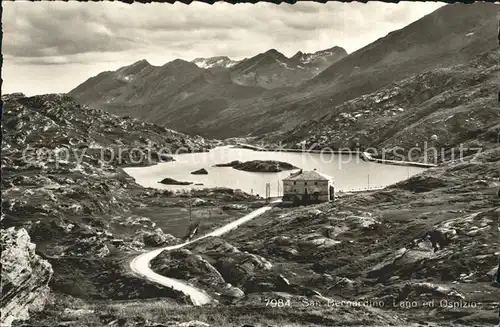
[[52, 47]]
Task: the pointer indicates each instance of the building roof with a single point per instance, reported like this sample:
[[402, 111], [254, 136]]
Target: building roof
[[308, 175]]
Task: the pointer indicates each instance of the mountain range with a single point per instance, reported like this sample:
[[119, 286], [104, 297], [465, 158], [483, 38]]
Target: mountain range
[[427, 239], [270, 92]]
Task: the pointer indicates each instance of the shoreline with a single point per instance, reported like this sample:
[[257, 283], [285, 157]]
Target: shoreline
[[366, 156], [363, 155]]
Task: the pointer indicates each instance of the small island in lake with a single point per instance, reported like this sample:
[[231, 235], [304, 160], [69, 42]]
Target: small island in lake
[[229, 164], [171, 181], [261, 166], [201, 171]]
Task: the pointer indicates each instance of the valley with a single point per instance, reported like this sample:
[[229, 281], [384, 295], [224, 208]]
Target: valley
[[138, 198]]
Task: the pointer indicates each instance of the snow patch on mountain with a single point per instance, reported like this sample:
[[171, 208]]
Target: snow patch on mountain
[[214, 62], [284, 65]]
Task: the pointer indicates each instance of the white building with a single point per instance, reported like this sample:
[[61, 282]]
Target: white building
[[308, 187]]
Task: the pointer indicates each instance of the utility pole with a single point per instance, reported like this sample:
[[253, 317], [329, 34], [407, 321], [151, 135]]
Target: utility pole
[[190, 209], [268, 191]]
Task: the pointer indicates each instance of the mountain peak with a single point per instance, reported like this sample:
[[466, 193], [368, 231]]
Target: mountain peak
[[180, 64], [177, 62], [273, 52], [298, 55], [319, 59], [142, 63], [335, 50], [135, 68]]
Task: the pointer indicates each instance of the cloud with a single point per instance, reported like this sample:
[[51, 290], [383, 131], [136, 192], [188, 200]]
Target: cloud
[[38, 29], [47, 34]]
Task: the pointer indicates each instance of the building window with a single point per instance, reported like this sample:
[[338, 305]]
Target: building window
[[315, 183], [305, 183], [294, 182]]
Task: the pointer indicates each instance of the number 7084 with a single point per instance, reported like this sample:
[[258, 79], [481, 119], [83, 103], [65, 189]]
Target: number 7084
[[277, 303]]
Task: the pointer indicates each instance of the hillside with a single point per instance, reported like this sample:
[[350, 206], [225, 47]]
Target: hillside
[[272, 69], [183, 96], [178, 94], [85, 219], [455, 105], [319, 60], [63, 190], [452, 35], [319, 96], [372, 247]]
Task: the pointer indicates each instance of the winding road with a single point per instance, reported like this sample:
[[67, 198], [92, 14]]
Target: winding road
[[140, 265]]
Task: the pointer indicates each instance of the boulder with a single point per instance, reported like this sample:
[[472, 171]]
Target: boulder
[[134, 221], [185, 265], [319, 242], [25, 277], [230, 291], [157, 238], [214, 245], [198, 202], [239, 267], [123, 245], [234, 207], [90, 247]]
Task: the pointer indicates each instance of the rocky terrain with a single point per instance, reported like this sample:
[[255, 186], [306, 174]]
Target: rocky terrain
[[190, 95], [25, 276], [273, 69], [63, 186], [421, 252], [261, 166], [370, 248], [220, 62], [251, 98], [441, 108]]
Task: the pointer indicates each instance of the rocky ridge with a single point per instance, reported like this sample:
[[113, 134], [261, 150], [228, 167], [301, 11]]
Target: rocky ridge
[[219, 62], [442, 108], [189, 95], [251, 100], [63, 185], [272, 69]]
